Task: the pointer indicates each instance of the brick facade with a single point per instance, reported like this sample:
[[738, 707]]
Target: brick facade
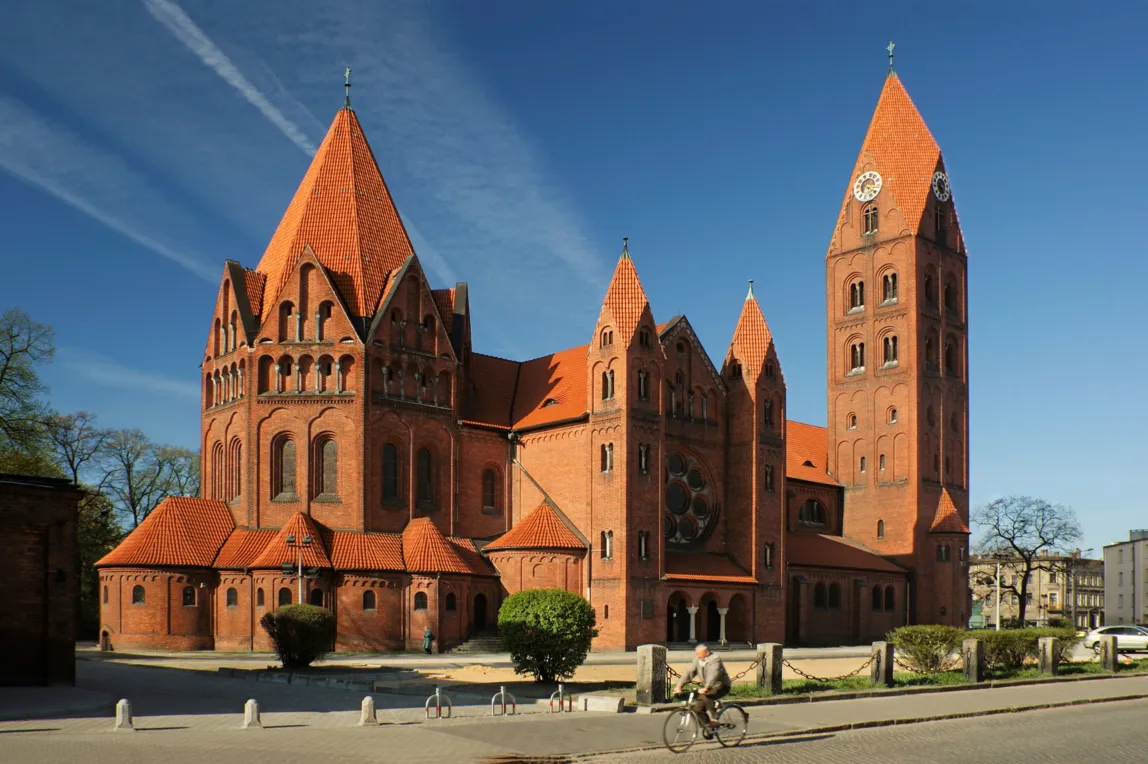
[[343, 402]]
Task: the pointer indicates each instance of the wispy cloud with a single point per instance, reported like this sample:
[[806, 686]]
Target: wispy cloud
[[110, 373], [171, 16], [97, 183]]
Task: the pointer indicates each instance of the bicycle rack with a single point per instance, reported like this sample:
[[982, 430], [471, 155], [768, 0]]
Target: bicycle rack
[[438, 699], [565, 702], [499, 700]]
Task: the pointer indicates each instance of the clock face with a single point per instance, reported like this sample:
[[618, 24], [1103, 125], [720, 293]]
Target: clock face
[[867, 186], [941, 186]]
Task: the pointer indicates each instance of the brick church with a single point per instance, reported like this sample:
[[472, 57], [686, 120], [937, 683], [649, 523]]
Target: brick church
[[349, 424]]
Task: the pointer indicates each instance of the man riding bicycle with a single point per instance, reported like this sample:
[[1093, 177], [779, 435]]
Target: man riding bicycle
[[708, 671]]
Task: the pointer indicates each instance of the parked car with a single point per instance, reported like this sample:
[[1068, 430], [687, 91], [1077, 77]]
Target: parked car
[[1128, 638]]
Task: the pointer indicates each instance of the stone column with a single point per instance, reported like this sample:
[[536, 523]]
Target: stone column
[[278, 377], [298, 326], [721, 612], [651, 674], [1048, 665], [402, 384], [386, 380], [300, 383], [769, 656], [338, 377], [973, 653], [881, 670], [1109, 658], [240, 383], [693, 611], [318, 326]]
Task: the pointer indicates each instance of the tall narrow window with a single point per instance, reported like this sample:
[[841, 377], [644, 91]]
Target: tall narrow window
[[607, 385], [931, 352], [188, 596], [390, 472], [857, 295], [890, 598], [951, 365], [881, 462], [768, 557], [834, 597], [857, 356], [769, 477], [232, 597], [602, 545], [819, 596], [644, 338], [643, 545], [284, 597], [420, 600], [607, 457], [889, 282], [880, 529], [259, 601], [138, 595], [607, 338], [767, 414], [326, 467], [609, 545], [643, 386], [862, 463], [870, 214], [943, 553], [643, 458], [425, 469], [488, 484], [878, 599], [930, 289], [105, 594], [890, 349], [940, 222], [283, 467], [368, 600]]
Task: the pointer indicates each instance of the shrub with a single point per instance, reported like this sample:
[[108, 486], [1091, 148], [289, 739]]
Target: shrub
[[547, 632], [302, 634], [1066, 640], [927, 649], [1007, 648]]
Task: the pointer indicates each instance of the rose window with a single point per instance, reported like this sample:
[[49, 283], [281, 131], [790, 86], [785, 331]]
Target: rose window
[[691, 512]]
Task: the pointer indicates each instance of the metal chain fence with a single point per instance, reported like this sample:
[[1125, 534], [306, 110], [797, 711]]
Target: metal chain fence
[[812, 678], [950, 665]]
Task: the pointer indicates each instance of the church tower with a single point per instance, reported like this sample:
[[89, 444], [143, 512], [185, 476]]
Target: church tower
[[896, 288]]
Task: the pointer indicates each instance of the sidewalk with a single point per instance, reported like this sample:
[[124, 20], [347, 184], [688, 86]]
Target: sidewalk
[[47, 702]]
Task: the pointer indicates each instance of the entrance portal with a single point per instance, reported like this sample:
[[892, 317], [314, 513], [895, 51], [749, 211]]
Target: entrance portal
[[479, 612]]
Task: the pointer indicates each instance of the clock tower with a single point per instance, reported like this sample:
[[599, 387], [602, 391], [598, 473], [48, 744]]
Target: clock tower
[[896, 296]]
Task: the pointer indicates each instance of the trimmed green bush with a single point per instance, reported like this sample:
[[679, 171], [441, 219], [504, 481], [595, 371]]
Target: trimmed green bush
[[1010, 648], [547, 632], [1066, 640], [928, 648], [302, 634]]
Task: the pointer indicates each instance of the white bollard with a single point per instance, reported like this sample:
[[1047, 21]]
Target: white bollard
[[251, 715], [367, 716], [124, 717]]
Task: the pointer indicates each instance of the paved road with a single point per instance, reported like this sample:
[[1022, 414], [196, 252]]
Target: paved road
[[1113, 733]]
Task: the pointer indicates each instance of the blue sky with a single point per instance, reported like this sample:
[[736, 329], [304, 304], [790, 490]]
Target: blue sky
[[143, 143]]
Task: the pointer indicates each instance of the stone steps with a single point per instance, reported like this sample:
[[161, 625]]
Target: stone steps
[[480, 643]]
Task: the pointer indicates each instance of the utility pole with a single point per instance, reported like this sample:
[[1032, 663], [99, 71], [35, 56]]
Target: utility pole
[[306, 542]]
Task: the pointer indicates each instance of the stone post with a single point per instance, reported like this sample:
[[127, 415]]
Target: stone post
[[651, 674], [721, 614], [769, 656], [124, 717], [693, 611], [973, 660], [1048, 665], [367, 717], [1109, 658], [251, 719], [881, 670]]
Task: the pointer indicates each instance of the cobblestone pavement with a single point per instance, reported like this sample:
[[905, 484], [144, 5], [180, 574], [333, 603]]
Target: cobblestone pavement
[[1113, 733]]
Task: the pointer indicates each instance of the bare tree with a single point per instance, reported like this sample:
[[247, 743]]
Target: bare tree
[[183, 470], [1026, 531], [24, 344], [75, 441], [139, 474]]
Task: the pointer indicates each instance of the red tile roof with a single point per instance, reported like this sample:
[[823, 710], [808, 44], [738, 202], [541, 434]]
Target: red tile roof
[[625, 299], [541, 529], [242, 548], [277, 552], [551, 388], [751, 338], [344, 211], [426, 549], [806, 445], [821, 551], [469, 554], [947, 518], [181, 531], [366, 551], [686, 566], [903, 150], [493, 397], [254, 282], [444, 301]]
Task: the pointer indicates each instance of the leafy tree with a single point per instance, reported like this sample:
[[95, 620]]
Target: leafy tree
[[97, 533], [1026, 531], [547, 632], [302, 634], [24, 345]]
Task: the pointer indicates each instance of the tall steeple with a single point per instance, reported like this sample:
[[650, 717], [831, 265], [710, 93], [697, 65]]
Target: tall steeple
[[625, 299], [751, 338]]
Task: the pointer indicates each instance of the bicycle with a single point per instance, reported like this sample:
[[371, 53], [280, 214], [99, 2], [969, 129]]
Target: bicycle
[[683, 725]]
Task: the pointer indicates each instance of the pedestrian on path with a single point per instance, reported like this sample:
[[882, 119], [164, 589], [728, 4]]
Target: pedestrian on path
[[428, 639]]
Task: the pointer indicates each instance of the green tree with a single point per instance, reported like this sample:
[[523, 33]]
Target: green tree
[[97, 533], [547, 632], [302, 634]]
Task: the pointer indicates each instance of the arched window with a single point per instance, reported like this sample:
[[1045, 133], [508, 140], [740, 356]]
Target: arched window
[[317, 597], [881, 462], [605, 612], [880, 529], [769, 556], [769, 477], [232, 597], [852, 421], [138, 596], [878, 597], [767, 414], [819, 596], [834, 597], [607, 338], [812, 513], [951, 364], [284, 596], [188, 596], [857, 295], [890, 349], [889, 287], [420, 600], [644, 338], [857, 356], [326, 457], [940, 222], [286, 321], [930, 289], [870, 214], [105, 595], [735, 370], [424, 466], [607, 385], [390, 472], [368, 600], [892, 416], [643, 386], [951, 302], [931, 352], [283, 467], [643, 459], [259, 602], [607, 457], [451, 602], [862, 463], [234, 469], [488, 485], [943, 553], [643, 545], [609, 545], [890, 598], [602, 545]]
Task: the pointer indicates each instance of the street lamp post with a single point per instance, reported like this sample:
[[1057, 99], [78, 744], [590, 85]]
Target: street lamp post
[[998, 580], [303, 543]]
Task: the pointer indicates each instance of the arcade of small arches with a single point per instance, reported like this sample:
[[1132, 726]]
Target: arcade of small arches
[[307, 375], [710, 617], [224, 385]]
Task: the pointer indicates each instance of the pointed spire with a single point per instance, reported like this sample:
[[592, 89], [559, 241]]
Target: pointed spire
[[626, 247], [749, 295], [751, 337], [625, 299], [947, 519], [344, 211], [890, 49], [347, 88]]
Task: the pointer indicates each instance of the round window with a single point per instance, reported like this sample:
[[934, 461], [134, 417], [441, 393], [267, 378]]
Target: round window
[[677, 464], [677, 498], [691, 509], [688, 528], [696, 481], [671, 526], [701, 508]]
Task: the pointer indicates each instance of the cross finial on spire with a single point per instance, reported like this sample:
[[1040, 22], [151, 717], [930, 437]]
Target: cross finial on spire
[[347, 88], [626, 247], [750, 295], [890, 49]]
